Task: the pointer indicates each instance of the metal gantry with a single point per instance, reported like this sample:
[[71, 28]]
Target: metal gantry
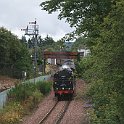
[[33, 30]]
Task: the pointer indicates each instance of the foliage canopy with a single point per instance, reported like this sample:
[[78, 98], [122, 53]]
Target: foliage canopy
[[102, 23], [14, 56]]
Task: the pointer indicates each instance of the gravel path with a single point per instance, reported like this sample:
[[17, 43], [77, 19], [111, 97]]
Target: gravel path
[[75, 114]]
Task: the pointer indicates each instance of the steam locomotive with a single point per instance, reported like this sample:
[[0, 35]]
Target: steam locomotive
[[64, 83]]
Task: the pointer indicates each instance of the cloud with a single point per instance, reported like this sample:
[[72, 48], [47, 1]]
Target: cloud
[[16, 14]]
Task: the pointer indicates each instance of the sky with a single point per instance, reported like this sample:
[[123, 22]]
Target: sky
[[16, 15]]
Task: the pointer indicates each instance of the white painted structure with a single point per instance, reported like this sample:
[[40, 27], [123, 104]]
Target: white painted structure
[[51, 61], [84, 52]]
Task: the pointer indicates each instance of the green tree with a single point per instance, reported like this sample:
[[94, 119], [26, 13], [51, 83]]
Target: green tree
[[46, 42], [108, 71], [80, 43], [14, 56], [59, 45], [102, 23], [84, 15], [24, 41]]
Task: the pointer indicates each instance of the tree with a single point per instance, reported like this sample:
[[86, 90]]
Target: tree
[[30, 43], [59, 45], [84, 15], [46, 42], [40, 41], [24, 41], [12, 53], [101, 21], [108, 71], [80, 43]]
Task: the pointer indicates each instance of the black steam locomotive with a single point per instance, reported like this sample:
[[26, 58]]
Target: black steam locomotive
[[64, 83]]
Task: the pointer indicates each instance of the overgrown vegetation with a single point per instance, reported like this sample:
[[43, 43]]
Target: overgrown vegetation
[[22, 99], [102, 24]]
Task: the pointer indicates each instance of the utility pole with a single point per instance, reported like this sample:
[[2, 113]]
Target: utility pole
[[33, 30]]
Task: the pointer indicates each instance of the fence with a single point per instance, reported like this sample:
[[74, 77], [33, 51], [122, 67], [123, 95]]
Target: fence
[[3, 95]]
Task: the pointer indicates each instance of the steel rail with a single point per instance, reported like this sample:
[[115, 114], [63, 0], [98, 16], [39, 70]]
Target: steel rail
[[48, 113], [61, 115]]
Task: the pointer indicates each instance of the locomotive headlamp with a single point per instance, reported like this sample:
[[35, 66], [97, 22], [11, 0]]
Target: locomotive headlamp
[[69, 88], [63, 88]]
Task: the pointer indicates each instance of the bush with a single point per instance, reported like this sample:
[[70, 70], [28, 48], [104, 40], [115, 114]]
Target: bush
[[37, 97], [27, 94], [83, 66], [22, 91], [32, 101], [22, 99], [12, 113], [44, 87]]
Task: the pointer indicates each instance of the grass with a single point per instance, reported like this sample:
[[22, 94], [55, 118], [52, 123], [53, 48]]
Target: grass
[[22, 99]]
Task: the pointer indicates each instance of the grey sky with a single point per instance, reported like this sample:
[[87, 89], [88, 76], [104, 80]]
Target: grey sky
[[16, 14]]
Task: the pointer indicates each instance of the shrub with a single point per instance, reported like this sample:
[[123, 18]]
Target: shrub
[[26, 94], [22, 91], [22, 99], [37, 97], [44, 87], [32, 101], [12, 113]]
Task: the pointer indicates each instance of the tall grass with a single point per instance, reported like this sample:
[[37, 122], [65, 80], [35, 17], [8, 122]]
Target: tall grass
[[22, 99]]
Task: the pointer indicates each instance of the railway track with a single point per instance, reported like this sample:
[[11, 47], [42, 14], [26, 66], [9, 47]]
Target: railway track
[[56, 120], [61, 115]]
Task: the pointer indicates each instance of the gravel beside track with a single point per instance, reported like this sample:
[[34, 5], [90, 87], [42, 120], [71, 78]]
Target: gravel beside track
[[75, 114]]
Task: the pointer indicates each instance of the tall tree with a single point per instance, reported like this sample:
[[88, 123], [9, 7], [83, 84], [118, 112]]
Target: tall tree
[[84, 15], [13, 52], [102, 22], [80, 43], [23, 40], [46, 42]]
